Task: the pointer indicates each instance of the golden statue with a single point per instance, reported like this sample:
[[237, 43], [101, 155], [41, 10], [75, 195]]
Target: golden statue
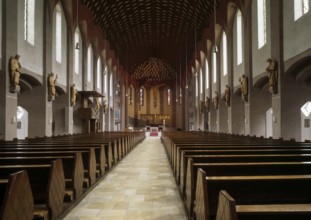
[[104, 105], [73, 93], [244, 87], [226, 96], [207, 103], [201, 107], [215, 100], [14, 69], [97, 104], [272, 70], [52, 78]]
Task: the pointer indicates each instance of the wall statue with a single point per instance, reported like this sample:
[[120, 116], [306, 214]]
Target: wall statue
[[52, 79], [104, 105], [207, 103], [272, 70], [215, 100], [97, 104], [73, 93], [226, 96], [14, 69], [244, 87], [201, 107]]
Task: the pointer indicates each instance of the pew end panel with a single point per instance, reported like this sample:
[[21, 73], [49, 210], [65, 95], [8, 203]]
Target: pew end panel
[[18, 201], [56, 189], [201, 209], [226, 207]]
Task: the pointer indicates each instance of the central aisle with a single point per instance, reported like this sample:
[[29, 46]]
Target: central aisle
[[140, 187]]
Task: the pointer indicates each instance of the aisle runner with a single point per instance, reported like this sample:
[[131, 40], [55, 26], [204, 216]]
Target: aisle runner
[[141, 187]]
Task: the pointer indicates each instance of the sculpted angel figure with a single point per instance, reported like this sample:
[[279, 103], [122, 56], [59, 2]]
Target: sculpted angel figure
[[215, 100], [244, 87], [52, 79], [272, 70], [73, 98]]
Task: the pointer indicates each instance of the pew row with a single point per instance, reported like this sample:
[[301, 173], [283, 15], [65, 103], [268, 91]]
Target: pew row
[[262, 189], [73, 170], [228, 210], [16, 200], [47, 184]]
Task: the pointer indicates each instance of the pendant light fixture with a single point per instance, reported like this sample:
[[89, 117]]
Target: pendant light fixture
[[77, 47], [215, 49]]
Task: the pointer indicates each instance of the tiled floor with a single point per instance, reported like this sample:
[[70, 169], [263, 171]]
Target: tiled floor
[[140, 187]]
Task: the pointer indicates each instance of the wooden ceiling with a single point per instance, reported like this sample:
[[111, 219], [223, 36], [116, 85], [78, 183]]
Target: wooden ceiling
[[140, 29]]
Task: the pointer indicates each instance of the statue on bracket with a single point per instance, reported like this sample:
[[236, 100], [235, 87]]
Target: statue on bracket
[[104, 105], [52, 79], [207, 103], [97, 104], [244, 87], [272, 70], [215, 100], [201, 107], [14, 68], [73, 95], [226, 96]]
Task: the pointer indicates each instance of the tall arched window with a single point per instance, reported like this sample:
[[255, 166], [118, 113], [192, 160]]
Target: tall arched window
[[105, 81], [111, 89], [77, 52], [130, 95], [58, 34], [29, 21], [262, 23], [141, 96], [239, 32], [224, 54], [301, 7], [89, 64], [214, 68], [99, 75], [206, 74], [169, 98], [201, 81]]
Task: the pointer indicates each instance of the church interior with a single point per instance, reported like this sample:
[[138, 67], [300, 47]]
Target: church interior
[[212, 97]]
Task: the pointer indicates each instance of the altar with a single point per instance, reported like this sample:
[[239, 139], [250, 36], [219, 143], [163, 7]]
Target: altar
[[154, 131]]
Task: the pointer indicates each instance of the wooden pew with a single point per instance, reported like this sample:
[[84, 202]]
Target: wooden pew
[[228, 210], [188, 185], [185, 154], [267, 189], [47, 184], [231, 149], [237, 155], [100, 154], [240, 169], [16, 200], [88, 158], [73, 170]]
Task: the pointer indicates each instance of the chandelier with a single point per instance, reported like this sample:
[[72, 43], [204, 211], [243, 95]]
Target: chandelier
[[154, 70]]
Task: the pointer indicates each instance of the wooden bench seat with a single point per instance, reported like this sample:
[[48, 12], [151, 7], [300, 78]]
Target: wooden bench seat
[[47, 184], [232, 169], [88, 158], [185, 154], [73, 169], [100, 154], [16, 200], [202, 150], [245, 158], [228, 210], [263, 189]]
